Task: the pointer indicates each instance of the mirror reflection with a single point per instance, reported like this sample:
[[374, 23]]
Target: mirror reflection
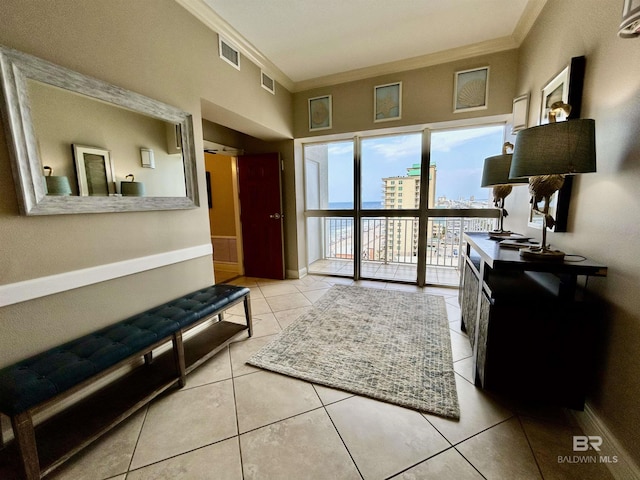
[[97, 145], [81, 145]]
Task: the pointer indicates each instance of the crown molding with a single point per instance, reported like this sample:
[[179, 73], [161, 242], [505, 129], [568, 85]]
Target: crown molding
[[445, 56], [203, 12], [527, 19]]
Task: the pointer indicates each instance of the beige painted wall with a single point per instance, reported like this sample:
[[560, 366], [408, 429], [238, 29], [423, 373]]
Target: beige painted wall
[[604, 217], [62, 118], [156, 48], [427, 96]]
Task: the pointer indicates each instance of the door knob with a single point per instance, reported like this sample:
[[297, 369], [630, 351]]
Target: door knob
[[275, 215]]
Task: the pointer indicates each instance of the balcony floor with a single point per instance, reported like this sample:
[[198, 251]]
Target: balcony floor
[[400, 272]]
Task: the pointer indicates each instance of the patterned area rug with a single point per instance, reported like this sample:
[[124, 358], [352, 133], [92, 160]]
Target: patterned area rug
[[388, 345]]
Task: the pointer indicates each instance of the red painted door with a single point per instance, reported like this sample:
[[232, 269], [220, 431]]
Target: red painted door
[[261, 216]]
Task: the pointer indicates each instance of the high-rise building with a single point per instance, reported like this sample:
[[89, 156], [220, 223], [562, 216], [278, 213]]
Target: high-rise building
[[403, 193]]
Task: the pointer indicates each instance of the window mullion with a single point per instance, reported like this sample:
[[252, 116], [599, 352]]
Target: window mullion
[[357, 207], [423, 218]]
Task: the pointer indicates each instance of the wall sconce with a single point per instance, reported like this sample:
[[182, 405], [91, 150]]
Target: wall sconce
[[546, 154], [56, 185], [496, 174], [147, 158], [630, 25]]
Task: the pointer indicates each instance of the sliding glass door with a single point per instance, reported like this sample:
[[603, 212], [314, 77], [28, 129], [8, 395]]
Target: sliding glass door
[[329, 196], [390, 168], [394, 207], [458, 204]]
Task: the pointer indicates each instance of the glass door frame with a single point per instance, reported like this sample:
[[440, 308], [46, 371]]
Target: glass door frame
[[424, 213]]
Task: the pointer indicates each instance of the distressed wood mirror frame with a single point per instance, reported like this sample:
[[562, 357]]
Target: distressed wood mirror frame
[[15, 69]]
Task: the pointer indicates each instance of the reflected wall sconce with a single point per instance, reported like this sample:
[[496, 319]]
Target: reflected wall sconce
[[56, 185], [496, 174], [545, 154], [630, 25], [147, 158]]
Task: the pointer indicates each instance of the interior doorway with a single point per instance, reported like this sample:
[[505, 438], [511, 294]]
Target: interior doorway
[[261, 214], [224, 215]]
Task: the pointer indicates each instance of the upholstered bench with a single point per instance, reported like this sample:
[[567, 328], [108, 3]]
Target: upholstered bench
[[44, 380]]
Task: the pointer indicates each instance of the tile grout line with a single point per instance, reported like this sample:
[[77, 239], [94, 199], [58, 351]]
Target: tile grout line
[[429, 457], [170, 457], [533, 453], [324, 407], [135, 447], [468, 461], [280, 420], [129, 470], [450, 447], [235, 408]]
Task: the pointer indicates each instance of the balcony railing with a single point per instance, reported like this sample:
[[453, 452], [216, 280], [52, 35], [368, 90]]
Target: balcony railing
[[394, 240]]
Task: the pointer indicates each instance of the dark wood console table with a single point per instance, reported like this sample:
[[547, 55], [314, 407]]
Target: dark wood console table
[[531, 327]]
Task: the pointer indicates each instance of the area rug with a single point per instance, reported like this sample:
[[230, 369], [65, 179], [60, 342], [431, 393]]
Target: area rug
[[389, 345]]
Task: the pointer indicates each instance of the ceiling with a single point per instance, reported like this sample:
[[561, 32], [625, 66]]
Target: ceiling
[[310, 43]]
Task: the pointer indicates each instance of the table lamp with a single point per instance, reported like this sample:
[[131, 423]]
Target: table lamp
[[496, 174], [131, 188], [56, 185], [630, 25], [545, 154]]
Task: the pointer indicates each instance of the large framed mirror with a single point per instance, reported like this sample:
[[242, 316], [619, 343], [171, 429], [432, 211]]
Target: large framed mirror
[[81, 145]]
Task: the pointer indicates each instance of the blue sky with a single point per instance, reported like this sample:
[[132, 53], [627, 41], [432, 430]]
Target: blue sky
[[458, 155]]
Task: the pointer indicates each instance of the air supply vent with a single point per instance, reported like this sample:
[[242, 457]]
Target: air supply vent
[[268, 83], [217, 148], [228, 52]]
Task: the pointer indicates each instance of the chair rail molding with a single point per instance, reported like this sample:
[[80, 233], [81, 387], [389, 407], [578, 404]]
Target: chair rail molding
[[39, 287]]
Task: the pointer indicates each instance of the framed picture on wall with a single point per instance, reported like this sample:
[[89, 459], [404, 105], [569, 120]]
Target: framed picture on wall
[[566, 86], [557, 90], [520, 113], [387, 102], [320, 113], [471, 90], [94, 170]]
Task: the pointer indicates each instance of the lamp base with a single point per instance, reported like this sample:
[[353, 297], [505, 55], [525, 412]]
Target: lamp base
[[500, 233], [542, 253]]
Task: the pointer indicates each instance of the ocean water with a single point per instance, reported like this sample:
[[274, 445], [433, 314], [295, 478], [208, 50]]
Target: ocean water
[[349, 205]]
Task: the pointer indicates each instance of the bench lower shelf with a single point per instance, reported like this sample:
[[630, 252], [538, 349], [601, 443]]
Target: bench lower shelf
[[71, 430]]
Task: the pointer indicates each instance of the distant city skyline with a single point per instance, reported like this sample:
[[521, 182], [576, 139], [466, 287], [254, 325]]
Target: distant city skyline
[[458, 155]]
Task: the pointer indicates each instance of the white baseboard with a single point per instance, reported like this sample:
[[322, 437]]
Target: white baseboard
[[296, 273], [625, 468], [49, 285]]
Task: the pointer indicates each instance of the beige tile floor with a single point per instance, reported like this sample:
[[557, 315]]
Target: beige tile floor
[[234, 421]]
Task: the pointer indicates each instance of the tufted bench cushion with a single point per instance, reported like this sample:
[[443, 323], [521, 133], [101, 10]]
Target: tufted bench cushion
[[43, 376]]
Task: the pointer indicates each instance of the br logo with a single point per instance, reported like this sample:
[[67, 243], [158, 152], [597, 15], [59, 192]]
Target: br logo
[[582, 443]]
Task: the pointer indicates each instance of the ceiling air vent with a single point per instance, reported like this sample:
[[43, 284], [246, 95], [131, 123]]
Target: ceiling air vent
[[268, 83], [228, 52]]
